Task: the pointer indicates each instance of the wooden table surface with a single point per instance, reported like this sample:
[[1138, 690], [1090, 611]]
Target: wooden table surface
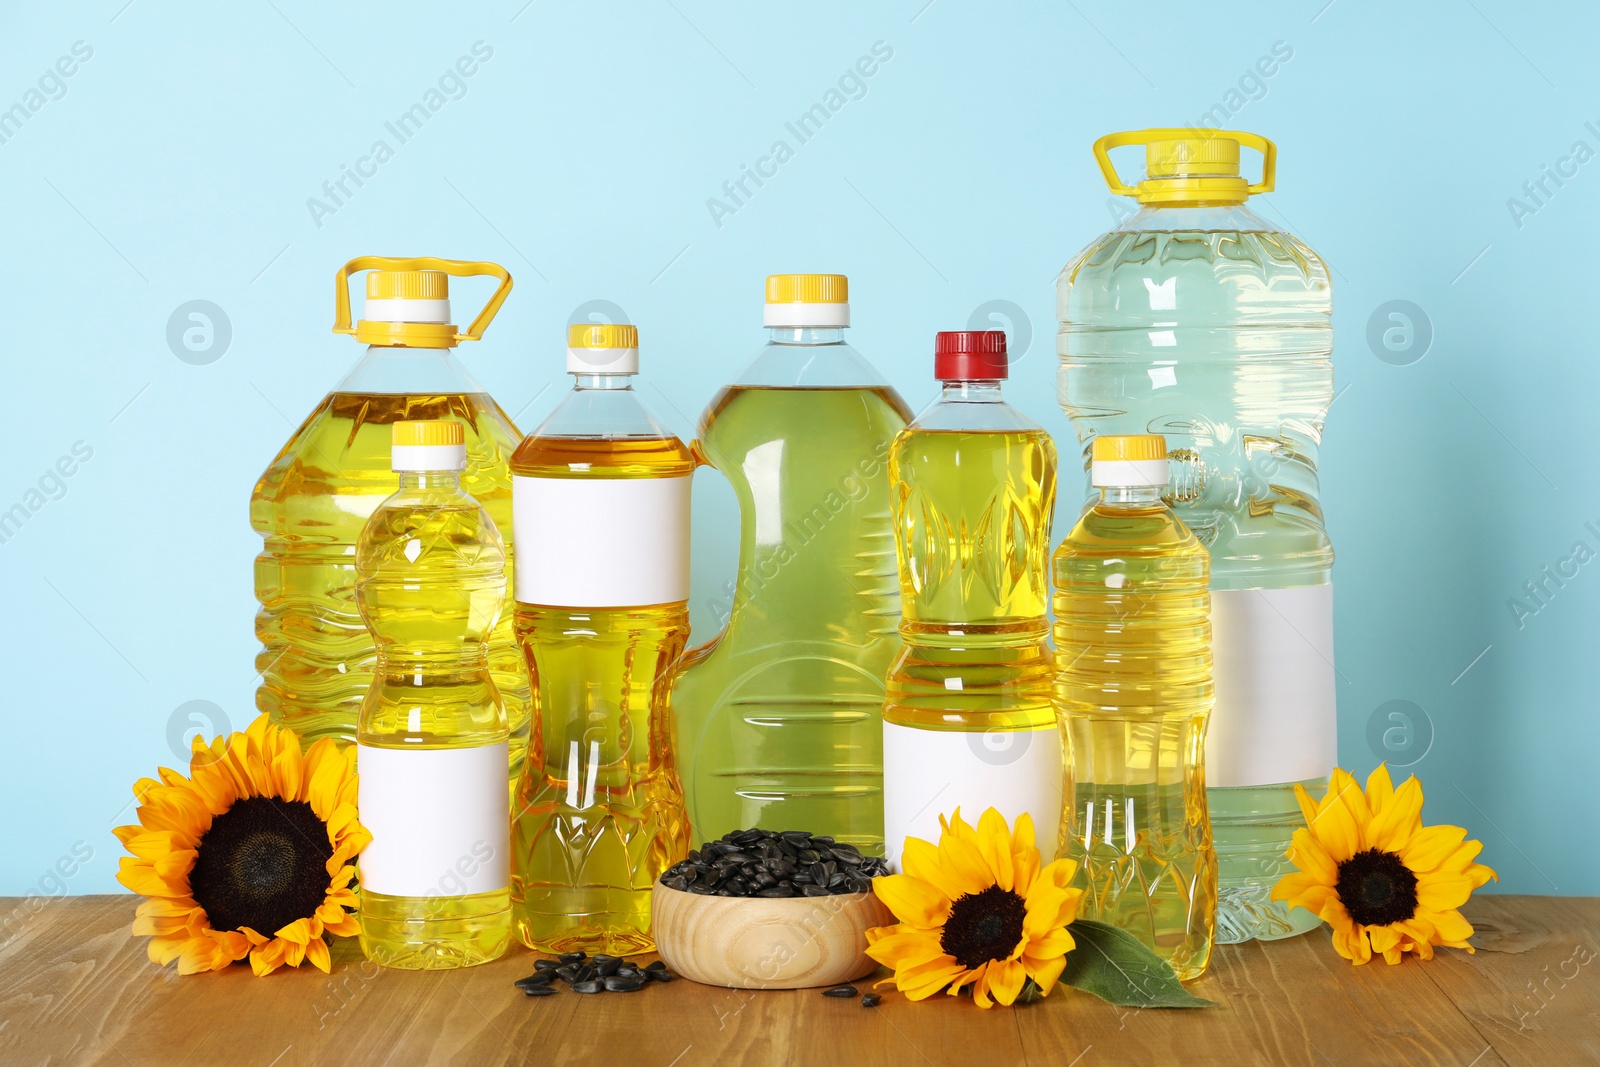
[[75, 987]]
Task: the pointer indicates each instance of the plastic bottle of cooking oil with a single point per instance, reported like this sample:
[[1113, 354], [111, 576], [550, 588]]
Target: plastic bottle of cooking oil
[[601, 495], [1133, 693], [317, 658], [432, 741], [1199, 319], [780, 717], [969, 720]]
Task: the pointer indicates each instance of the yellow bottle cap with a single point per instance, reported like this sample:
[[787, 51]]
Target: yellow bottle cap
[[1189, 167], [602, 335], [807, 300], [430, 432], [1129, 446], [808, 289], [602, 348], [408, 301], [408, 285]]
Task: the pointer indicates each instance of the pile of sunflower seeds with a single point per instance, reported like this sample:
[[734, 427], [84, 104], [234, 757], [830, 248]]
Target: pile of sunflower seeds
[[591, 974], [767, 863]]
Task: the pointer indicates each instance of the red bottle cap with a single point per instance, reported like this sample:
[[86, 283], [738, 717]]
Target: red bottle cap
[[970, 356]]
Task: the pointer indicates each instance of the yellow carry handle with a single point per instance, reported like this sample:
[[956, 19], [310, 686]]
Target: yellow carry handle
[[1189, 165], [416, 334]]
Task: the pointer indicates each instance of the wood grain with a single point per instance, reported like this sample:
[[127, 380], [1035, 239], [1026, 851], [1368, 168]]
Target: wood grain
[[761, 943], [76, 988]]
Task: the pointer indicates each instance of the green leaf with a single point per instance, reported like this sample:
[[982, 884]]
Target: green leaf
[[1116, 967]]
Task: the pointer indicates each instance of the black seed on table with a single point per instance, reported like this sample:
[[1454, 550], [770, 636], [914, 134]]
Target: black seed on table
[[840, 991], [661, 976], [745, 837], [618, 984], [572, 957], [870, 1000], [805, 856], [852, 858], [539, 991], [591, 986], [656, 965], [607, 968], [821, 839], [815, 891], [545, 965], [542, 978], [703, 890], [799, 837]]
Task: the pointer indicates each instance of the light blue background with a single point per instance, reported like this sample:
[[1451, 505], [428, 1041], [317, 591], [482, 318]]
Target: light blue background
[[178, 163]]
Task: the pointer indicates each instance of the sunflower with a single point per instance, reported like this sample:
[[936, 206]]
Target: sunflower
[[250, 855], [1386, 883], [975, 911]]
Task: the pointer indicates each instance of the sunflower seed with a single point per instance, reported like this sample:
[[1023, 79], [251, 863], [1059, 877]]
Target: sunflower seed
[[572, 957], [870, 1000], [539, 991], [661, 976], [840, 991], [618, 984], [655, 965], [773, 864], [545, 965], [534, 980], [591, 986]]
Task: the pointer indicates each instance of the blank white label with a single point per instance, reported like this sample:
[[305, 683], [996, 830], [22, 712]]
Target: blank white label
[[440, 820], [928, 773], [1275, 719], [601, 542]]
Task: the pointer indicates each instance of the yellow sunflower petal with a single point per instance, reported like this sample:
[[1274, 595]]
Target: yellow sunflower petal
[[317, 953], [912, 900], [1479, 875], [1050, 945], [1449, 926], [1350, 941], [1380, 788], [995, 842], [964, 864], [1336, 829], [1046, 972], [921, 860], [911, 948], [924, 980], [269, 957], [1005, 980], [1431, 846], [1308, 807], [1443, 892], [967, 978], [1398, 819]]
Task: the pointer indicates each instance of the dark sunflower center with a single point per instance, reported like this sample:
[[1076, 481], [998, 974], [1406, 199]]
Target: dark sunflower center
[[262, 865], [1376, 888], [983, 926]]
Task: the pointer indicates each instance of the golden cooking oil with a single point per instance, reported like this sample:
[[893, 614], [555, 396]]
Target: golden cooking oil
[[602, 511], [433, 735], [968, 718], [1133, 692]]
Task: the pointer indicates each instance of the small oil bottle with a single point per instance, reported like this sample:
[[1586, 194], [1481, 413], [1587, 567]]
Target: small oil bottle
[[968, 721], [1134, 691], [600, 494], [432, 738]]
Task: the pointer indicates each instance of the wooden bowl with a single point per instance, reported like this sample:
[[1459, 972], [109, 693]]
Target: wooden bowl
[[763, 942]]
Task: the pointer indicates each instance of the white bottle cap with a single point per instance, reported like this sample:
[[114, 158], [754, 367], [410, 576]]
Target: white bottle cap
[[807, 300], [602, 348], [1128, 461], [435, 445]]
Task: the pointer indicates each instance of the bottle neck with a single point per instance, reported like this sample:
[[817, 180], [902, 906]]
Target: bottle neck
[[805, 335], [1136, 496], [430, 479], [970, 392], [607, 382]]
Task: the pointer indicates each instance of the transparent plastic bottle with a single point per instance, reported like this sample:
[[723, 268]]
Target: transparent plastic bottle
[[779, 718], [1133, 694], [433, 737], [601, 494], [309, 506], [1198, 319], [969, 720]]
